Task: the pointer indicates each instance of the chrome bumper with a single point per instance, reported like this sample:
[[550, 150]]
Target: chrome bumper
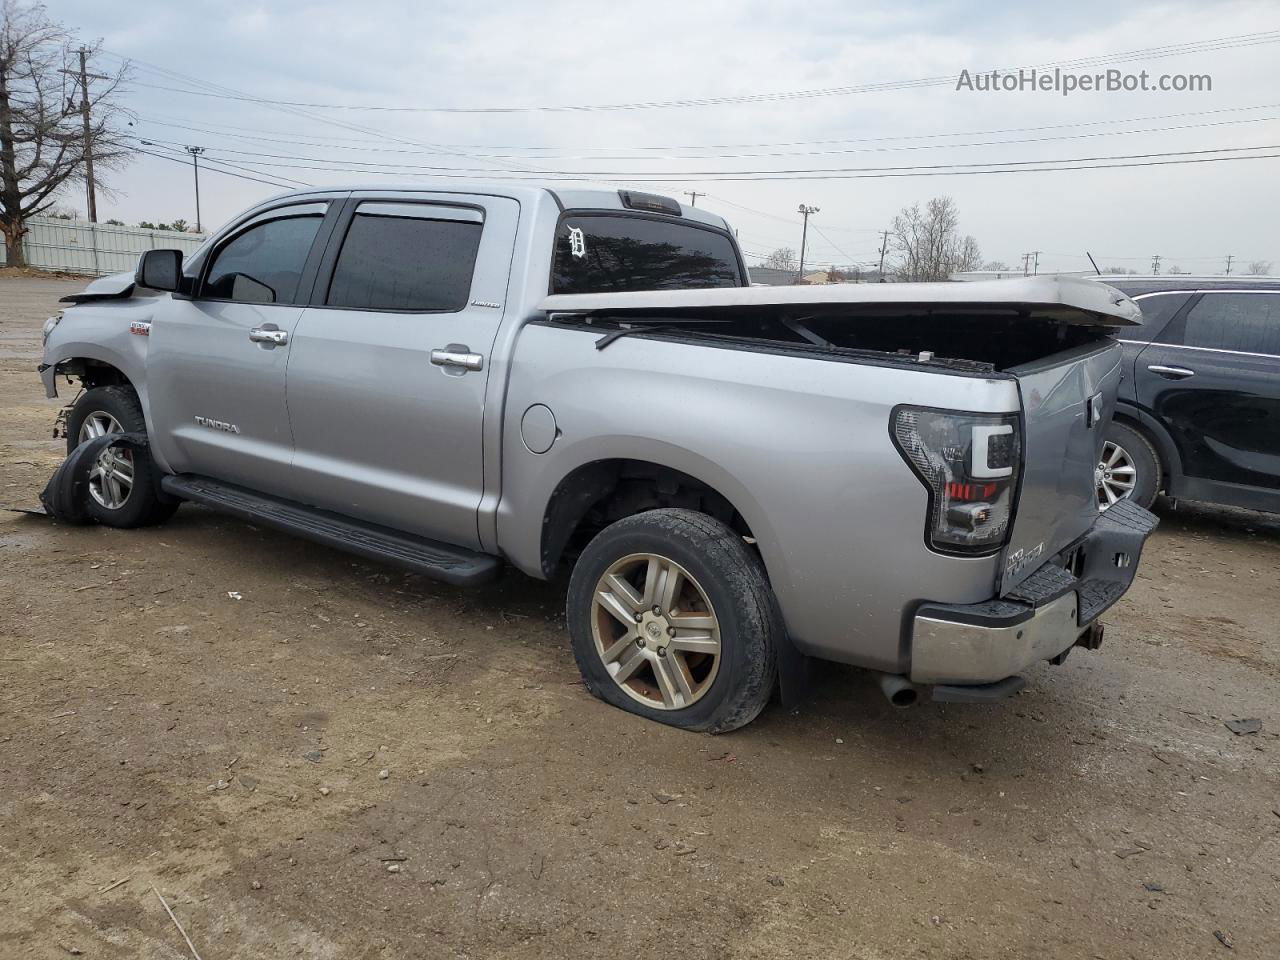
[[1042, 618]]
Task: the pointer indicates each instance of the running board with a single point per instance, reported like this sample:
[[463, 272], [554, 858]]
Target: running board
[[439, 561]]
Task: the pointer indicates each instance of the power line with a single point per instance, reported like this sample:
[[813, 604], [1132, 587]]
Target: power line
[[813, 173], [165, 156], [1150, 53]]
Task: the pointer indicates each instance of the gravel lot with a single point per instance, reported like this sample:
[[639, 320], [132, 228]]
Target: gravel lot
[[231, 753]]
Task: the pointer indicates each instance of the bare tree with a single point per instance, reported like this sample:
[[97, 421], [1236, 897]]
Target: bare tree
[[929, 243], [995, 266], [1258, 268], [44, 138], [784, 258]]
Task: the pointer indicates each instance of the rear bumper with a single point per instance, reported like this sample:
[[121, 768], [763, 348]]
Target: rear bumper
[[1042, 618]]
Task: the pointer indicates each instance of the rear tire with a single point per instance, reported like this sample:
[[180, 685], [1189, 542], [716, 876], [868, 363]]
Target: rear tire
[[672, 618], [116, 409], [1128, 457]]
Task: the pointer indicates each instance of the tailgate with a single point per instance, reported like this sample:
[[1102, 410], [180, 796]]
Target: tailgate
[[1067, 401]]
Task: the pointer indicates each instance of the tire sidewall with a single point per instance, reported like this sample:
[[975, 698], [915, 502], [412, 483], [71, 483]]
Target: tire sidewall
[[143, 506], [740, 640], [1145, 460]]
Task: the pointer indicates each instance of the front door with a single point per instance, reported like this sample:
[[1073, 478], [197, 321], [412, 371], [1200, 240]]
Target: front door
[[216, 362], [1213, 378], [387, 372]]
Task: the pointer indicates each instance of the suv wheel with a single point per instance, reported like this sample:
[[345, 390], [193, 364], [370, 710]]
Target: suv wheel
[[1129, 469], [123, 487], [671, 618]]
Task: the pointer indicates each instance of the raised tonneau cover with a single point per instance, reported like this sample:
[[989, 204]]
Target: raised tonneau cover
[[1059, 299]]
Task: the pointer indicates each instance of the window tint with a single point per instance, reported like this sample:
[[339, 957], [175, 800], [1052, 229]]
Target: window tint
[[614, 253], [396, 256], [1249, 322], [263, 264]]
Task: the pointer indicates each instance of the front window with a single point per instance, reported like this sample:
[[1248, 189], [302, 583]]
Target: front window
[[614, 253], [263, 264]]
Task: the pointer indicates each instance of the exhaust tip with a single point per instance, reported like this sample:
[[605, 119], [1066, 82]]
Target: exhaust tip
[[904, 698], [899, 691]]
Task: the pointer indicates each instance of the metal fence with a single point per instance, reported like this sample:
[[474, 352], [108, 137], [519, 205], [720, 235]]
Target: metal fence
[[94, 248]]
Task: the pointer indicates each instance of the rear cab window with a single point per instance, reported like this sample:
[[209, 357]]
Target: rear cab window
[[619, 252]]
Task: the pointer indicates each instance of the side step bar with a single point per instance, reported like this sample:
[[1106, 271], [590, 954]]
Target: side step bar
[[439, 561]]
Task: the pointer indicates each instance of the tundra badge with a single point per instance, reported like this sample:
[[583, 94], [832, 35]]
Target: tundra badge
[[217, 425]]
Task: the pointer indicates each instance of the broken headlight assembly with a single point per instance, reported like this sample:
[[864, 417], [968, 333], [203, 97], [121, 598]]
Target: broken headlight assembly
[[970, 463], [48, 327]]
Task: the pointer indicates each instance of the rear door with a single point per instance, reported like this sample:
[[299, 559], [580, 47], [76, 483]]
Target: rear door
[[216, 364], [388, 370], [1067, 400], [1212, 378]]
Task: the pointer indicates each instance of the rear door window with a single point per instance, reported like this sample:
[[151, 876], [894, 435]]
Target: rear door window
[[1245, 322], [607, 253], [414, 257]]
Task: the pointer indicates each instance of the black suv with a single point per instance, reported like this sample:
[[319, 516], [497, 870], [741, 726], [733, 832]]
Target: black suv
[[1199, 408]]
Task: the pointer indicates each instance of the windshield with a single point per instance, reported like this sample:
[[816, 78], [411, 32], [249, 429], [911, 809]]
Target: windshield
[[598, 253]]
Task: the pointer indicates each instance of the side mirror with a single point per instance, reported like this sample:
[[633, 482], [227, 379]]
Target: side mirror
[[159, 270]]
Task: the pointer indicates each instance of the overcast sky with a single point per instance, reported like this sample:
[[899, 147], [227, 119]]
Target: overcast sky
[[503, 54]]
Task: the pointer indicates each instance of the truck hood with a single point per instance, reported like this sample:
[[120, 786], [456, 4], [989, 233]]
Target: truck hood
[[1055, 299], [117, 286]]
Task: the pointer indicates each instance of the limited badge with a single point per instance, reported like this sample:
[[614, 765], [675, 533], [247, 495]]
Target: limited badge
[[577, 242]]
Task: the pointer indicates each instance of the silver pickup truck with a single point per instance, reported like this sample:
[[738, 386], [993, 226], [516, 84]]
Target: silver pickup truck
[[741, 480]]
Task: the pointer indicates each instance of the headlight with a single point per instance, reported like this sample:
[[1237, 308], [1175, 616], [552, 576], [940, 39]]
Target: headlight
[[970, 463], [48, 328]]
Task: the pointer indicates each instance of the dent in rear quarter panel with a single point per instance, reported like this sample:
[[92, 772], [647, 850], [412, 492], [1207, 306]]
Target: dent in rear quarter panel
[[801, 448]]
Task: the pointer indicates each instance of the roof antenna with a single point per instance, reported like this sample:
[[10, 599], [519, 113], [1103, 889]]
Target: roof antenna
[[1094, 262]]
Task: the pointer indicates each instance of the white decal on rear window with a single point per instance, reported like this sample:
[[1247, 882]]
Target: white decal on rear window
[[577, 242]]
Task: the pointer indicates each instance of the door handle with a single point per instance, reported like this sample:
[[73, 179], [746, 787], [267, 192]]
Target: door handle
[[1171, 373], [263, 335], [448, 357]]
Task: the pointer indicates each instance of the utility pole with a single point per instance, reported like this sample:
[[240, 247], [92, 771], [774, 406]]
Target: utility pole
[[884, 246], [83, 76], [1229, 259], [693, 196], [1155, 264], [195, 163], [804, 236], [1026, 264], [1035, 270]]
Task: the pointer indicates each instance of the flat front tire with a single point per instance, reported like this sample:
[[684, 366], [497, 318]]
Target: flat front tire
[[672, 618]]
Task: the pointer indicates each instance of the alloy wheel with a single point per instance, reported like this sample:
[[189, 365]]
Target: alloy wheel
[[111, 479], [1116, 476], [656, 631]]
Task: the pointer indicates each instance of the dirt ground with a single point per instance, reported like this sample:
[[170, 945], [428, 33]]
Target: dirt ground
[[231, 753]]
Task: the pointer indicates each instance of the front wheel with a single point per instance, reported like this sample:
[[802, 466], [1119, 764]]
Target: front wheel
[[672, 618], [123, 487], [1129, 469]]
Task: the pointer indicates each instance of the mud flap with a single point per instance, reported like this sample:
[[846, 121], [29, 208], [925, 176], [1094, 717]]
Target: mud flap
[[66, 496]]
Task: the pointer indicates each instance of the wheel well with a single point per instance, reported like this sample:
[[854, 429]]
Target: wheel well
[[600, 493], [93, 373], [1165, 453]]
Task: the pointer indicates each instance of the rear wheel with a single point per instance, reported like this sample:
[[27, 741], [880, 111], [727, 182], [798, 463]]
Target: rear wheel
[[1129, 469], [123, 487], [672, 618]]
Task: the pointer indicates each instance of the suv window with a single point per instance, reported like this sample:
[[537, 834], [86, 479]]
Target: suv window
[[598, 253], [264, 263], [407, 256], [1249, 322]]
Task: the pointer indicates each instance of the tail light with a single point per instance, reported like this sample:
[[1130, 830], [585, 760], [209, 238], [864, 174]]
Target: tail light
[[970, 464]]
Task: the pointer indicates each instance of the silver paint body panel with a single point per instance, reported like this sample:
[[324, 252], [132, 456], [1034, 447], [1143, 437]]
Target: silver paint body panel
[[351, 416]]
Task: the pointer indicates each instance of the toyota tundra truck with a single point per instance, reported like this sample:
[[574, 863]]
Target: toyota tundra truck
[[738, 480]]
